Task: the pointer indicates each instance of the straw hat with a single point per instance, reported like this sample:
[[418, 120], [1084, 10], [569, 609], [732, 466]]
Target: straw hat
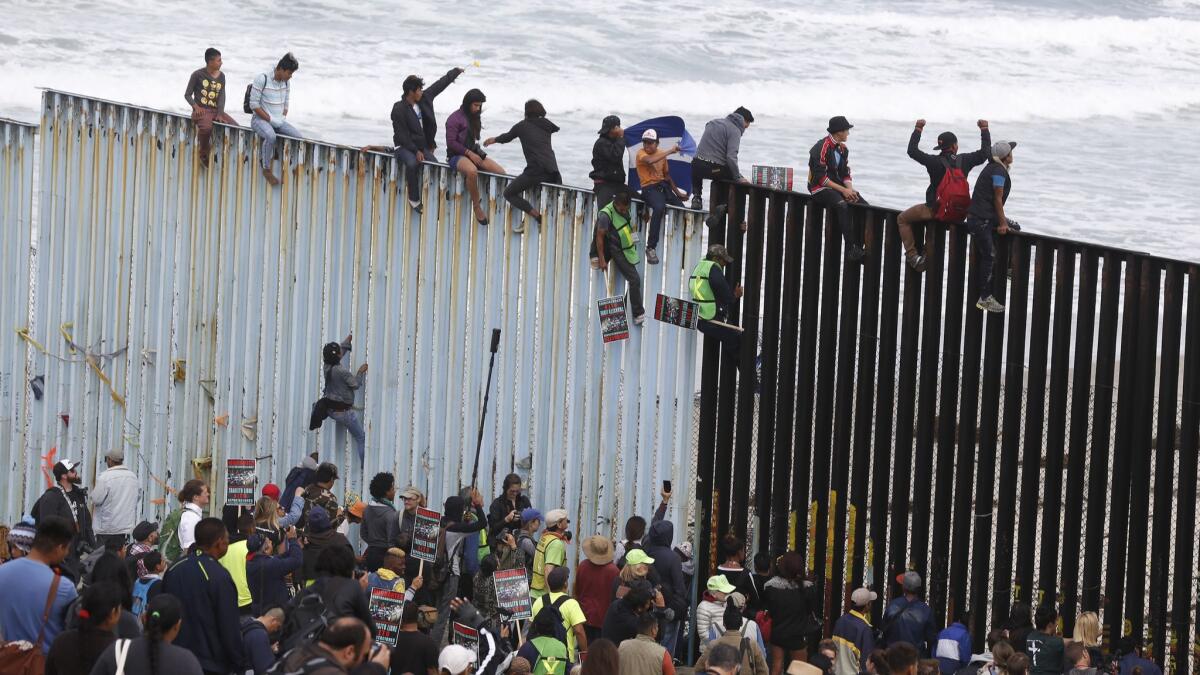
[[598, 549]]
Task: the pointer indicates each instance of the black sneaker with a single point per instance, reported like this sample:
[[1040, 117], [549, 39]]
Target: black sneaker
[[916, 262], [718, 214], [856, 254], [698, 203]]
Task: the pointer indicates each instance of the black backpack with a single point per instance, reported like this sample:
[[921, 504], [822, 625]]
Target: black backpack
[[246, 101], [560, 630], [307, 617]]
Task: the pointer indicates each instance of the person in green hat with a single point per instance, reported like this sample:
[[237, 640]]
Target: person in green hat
[[711, 609]]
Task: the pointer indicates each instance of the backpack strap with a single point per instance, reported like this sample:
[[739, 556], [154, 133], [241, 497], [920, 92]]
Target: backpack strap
[[49, 603], [562, 599], [121, 653]]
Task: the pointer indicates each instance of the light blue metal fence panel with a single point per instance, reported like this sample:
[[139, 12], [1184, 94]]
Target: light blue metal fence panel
[[16, 221], [197, 300]]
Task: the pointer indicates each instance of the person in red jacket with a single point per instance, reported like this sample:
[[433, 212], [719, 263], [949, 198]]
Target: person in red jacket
[[594, 578]]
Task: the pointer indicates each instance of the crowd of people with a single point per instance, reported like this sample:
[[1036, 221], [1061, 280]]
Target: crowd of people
[[949, 198], [285, 587]]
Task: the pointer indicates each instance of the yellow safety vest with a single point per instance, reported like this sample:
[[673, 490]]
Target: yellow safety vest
[[702, 292], [537, 584], [624, 232]]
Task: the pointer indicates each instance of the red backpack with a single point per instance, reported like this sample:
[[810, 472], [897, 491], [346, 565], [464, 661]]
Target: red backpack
[[953, 194]]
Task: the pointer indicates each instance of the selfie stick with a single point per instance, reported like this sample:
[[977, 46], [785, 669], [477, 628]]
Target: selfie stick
[[483, 414]]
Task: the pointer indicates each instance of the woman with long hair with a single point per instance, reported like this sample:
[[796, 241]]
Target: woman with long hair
[[1087, 633], [602, 658], [153, 653], [76, 651], [463, 129], [787, 602]]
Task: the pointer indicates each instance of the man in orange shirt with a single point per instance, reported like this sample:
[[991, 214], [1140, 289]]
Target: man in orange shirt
[[658, 190]]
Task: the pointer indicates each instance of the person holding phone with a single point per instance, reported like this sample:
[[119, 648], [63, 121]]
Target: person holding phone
[[505, 512]]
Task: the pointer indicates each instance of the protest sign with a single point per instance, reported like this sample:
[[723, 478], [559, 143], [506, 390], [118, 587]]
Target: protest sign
[[386, 608], [425, 535], [512, 592], [239, 482]]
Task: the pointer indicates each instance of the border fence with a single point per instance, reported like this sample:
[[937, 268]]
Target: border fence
[[1047, 453], [179, 312]]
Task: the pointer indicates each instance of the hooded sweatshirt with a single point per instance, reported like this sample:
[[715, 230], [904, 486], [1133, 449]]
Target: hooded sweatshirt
[[459, 138], [534, 133], [721, 141], [608, 160], [657, 545]]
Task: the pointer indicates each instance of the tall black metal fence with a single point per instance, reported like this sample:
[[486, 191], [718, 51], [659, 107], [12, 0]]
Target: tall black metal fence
[[1047, 453]]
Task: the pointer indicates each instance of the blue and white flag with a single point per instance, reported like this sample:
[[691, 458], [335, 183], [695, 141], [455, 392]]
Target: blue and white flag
[[670, 131]]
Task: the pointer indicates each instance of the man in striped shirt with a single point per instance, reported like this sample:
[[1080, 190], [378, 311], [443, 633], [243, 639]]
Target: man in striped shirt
[[269, 98]]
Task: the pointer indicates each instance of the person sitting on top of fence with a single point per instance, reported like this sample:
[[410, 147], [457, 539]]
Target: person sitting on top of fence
[[948, 194], [658, 189], [832, 185], [267, 101], [541, 166], [466, 156], [205, 94]]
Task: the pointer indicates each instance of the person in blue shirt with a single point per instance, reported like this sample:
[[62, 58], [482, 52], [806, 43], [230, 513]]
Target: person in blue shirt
[[954, 644], [853, 635], [1131, 647], [25, 585]]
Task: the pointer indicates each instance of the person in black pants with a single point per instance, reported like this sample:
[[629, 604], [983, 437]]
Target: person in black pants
[[831, 184], [541, 166], [717, 154], [414, 129]]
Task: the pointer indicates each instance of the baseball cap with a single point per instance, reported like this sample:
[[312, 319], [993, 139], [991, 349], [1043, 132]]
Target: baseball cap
[[719, 252], [318, 520], [143, 530], [1003, 148], [64, 467], [455, 659], [530, 514], [116, 455], [555, 517], [910, 580], [863, 596], [719, 583], [638, 557], [271, 490], [411, 493], [609, 123], [946, 139], [649, 135]]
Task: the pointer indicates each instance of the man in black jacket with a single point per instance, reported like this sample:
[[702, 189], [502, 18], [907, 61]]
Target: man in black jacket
[[608, 168], [210, 627], [831, 184], [414, 128], [936, 165], [68, 500]]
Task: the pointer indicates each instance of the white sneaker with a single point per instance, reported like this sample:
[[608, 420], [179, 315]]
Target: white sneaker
[[518, 226]]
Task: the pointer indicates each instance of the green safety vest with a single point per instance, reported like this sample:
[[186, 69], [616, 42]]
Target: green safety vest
[[624, 232], [702, 292]]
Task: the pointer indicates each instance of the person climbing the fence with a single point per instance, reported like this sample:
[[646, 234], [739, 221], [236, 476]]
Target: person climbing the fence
[[337, 400], [541, 165], [712, 292], [949, 193], [205, 94], [615, 241], [986, 219], [268, 100]]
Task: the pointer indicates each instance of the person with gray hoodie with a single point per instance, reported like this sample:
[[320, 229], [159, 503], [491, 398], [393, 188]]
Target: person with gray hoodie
[[717, 155]]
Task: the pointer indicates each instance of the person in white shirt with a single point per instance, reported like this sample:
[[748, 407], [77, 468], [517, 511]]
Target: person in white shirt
[[115, 502], [270, 95], [194, 496]]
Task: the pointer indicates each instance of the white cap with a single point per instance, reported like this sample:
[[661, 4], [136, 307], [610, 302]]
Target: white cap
[[455, 659], [649, 135], [555, 517], [863, 596]]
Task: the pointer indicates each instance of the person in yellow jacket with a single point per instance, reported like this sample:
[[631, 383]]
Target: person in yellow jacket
[[551, 552], [617, 241], [715, 297]]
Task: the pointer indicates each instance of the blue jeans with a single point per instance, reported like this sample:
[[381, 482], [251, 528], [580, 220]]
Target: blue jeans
[[349, 421], [412, 172], [671, 635], [657, 197], [268, 133]]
